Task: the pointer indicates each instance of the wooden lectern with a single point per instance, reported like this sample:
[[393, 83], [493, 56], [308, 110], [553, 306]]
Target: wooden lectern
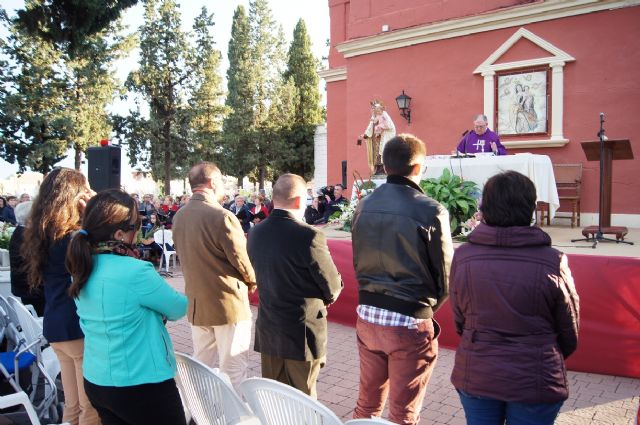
[[613, 150]]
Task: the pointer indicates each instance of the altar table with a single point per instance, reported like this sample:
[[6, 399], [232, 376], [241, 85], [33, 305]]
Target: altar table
[[479, 169]]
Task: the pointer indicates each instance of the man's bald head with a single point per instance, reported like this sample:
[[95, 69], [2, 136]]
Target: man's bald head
[[200, 174], [289, 191]]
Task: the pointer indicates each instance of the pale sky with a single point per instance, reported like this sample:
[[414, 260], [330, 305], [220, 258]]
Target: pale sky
[[286, 12]]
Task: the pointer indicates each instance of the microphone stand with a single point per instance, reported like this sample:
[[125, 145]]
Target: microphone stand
[[464, 154], [599, 236]]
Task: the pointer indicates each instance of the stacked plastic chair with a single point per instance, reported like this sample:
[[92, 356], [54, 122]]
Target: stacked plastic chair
[[208, 395], [20, 398], [16, 358], [371, 421], [278, 404], [31, 353]]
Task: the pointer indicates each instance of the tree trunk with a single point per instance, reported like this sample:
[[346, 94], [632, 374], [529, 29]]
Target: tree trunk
[[166, 133], [240, 182], [78, 157], [261, 176]]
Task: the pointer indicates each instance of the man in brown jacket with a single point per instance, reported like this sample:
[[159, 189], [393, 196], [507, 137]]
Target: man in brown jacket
[[217, 273]]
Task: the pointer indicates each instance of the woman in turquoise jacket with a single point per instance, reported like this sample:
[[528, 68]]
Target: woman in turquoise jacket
[[129, 365]]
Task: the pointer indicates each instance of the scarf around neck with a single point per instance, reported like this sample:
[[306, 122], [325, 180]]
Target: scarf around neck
[[117, 248]]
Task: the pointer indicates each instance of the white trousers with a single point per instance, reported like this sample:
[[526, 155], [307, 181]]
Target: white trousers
[[225, 346]]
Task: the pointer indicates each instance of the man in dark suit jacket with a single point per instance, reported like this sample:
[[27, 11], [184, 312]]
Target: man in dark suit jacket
[[297, 280]]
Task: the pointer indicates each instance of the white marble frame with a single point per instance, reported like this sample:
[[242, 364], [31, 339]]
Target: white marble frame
[[556, 62]]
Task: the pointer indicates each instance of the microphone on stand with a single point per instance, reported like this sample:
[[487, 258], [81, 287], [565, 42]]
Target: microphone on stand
[[464, 145], [601, 134]]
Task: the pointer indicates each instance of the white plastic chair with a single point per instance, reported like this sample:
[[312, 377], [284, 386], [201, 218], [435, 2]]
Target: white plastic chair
[[48, 364], [163, 237], [278, 404], [12, 333], [371, 421], [208, 396], [21, 398]]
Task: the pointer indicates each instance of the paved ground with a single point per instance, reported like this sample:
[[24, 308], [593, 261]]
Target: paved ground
[[593, 399]]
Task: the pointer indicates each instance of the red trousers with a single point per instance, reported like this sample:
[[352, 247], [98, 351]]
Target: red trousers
[[395, 362]]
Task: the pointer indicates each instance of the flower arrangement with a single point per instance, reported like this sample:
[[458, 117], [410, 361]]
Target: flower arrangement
[[362, 189], [6, 230], [346, 215], [468, 226]]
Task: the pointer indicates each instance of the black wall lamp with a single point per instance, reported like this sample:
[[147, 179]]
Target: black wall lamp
[[404, 104]]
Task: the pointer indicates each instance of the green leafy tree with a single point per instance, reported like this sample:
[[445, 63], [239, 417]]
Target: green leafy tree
[[53, 99], [302, 66], [239, 125], [69, 22], [33, 125], [163, 79], [269, 61], [278, 126], [298, 141], [92, 85], [207, 108]]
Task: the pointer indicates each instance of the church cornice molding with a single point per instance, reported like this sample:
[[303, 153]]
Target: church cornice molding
[[334, 74], [516, 16], [558, 56], [530, 144]]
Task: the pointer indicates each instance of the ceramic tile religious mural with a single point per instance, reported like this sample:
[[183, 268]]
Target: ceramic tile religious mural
[[522, 103]]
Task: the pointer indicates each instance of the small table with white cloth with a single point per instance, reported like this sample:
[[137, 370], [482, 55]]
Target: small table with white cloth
[[479, 169]]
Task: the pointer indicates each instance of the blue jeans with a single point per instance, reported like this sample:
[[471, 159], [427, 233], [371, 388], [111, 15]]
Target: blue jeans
[[489, 411]]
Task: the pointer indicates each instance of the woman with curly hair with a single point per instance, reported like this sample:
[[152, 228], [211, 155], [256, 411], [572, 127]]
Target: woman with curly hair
[[55, 215], [129, 365]]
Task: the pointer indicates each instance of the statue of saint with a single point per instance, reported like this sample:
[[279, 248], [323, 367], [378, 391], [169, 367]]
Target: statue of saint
[[377, 134]]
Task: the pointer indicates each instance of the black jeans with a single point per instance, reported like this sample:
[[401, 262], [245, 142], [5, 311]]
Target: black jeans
[[138, 404]]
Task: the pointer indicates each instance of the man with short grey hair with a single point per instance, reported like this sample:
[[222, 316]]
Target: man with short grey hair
[[217, 273], [481, 139]]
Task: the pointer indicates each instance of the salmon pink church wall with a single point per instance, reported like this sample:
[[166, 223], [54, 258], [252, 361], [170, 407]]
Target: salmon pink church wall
[[446, 94]]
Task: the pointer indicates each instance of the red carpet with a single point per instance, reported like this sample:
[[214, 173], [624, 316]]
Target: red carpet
[[609, 290]]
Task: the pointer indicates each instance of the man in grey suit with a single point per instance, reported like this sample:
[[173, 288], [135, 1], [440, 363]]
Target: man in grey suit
[[297, 281]]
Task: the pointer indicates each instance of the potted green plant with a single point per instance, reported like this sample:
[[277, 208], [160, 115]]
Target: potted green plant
[[457, 196]]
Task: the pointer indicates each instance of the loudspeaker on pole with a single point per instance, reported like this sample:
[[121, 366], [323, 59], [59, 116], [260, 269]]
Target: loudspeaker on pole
[[104, 167]]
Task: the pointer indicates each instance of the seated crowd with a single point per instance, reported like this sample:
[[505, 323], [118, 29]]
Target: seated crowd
[[8, 205], [513, 298]]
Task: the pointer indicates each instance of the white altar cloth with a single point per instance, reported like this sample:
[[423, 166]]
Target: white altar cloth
[[479, 169]]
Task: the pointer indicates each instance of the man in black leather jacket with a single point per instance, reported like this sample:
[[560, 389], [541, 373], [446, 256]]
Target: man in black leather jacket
[[402, 252]]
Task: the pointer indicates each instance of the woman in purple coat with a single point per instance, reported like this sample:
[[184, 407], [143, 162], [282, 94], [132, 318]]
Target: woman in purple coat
[[516, 309]]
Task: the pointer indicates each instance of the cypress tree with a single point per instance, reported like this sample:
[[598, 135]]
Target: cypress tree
[[239, 125], [163, 79], [206, 105], [298, 141]]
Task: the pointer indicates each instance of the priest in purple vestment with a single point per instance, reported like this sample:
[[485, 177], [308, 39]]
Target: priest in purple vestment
[[481, 139]]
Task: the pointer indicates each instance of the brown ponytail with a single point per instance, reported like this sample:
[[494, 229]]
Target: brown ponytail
[[107, 212], [79, 262]]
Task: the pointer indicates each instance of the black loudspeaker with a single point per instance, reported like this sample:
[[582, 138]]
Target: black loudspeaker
[[344, 174], [104, 167]]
